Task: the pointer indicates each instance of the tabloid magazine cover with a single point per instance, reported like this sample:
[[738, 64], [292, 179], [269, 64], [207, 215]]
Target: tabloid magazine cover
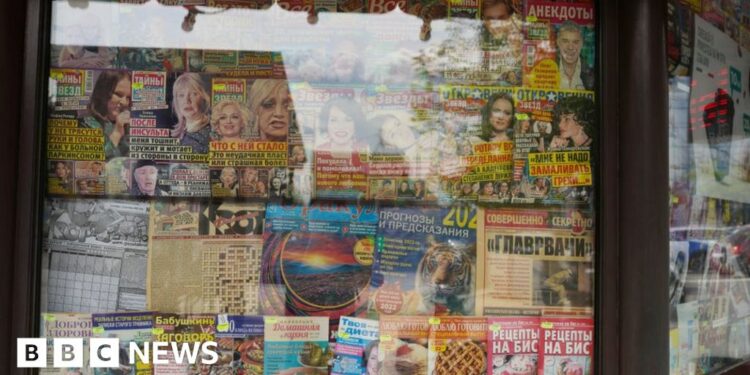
[[513, 345], [190, 329], [534, 261], [218, 246], [425, 262], [317, 260], [341, 137], [355, 340], [457, 345], [402, 141], [567, 346], [559, 49], [155, 141], [134, 327], [240, 340], [553, 133], [296, 345], [66, 325]]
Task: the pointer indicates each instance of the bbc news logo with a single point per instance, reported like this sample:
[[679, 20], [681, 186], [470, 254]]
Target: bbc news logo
[[105, 352]]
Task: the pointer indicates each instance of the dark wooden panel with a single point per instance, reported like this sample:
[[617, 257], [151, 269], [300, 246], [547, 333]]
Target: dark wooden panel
[[607, 298], [12, 23], [643, 187], [33, 20]]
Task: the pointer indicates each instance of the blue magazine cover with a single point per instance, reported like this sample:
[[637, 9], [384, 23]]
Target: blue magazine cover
[[425, 261]]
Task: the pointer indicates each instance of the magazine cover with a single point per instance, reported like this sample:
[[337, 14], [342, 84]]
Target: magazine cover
[[127, 327], [425, 262], [561, 48], [355, 340], [82, 128], [240, 340], [317, 260], [95, 255], [246, 148], [457, 346], [474, 115], [501, 40], [192, 329], [219, 247], [66, 325], [567, 346], [401, 123], [341, 149], [559, 170], [296, 345], [513, 345], [180, 125], [554, 249], [403, 344]]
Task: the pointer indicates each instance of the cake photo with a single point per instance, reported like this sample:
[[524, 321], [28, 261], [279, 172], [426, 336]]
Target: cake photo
[[516, 365], [569, 367]]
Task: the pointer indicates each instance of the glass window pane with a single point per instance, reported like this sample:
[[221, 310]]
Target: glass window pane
[[351, 187], [710, 187]]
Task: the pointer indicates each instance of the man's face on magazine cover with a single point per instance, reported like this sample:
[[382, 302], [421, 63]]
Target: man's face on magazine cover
[[570, 44]]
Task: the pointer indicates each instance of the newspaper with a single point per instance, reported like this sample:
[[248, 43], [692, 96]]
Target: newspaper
[[534, 261], [218, 247], [95, 255]]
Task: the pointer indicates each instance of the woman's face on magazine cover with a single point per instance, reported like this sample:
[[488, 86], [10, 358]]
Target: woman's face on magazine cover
[[61, 170], [488, 189], [340, 126], [250, 176], [230, 122], [396, 134], [120, 99], [189, 102], [372, 362], [502, 110], [228, 176], [273, 115], [569, 126]]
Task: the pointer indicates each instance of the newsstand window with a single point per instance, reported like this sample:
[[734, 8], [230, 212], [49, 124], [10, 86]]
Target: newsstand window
[[352, 187], [710, 187]]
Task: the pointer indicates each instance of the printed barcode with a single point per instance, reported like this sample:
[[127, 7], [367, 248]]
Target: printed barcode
[[89, 79]]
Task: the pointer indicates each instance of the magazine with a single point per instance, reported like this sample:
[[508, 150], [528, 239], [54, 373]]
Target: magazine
[[317, 260], [66, 325], [403, 344], [354, 352], [567, 346], [296, 345], [513, 345], [188, 329], [425, 262], [135, 327], [240, 340], [457, 345]]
